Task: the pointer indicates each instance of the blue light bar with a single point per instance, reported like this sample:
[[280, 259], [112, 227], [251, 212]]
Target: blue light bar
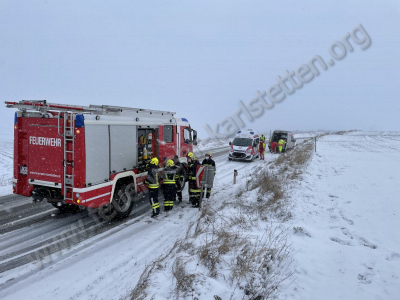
[[15, 118], [79, 121], [252, 132], [239, 132], [184, 120]]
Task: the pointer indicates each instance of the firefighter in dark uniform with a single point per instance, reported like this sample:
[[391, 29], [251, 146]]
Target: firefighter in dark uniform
[[208, 161], [180, 175], [168, 177], [188, 165], [194, 191], [152, 183]]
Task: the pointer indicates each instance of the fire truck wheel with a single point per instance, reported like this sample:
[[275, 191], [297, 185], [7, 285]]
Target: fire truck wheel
[[107, 212], [122, 201]]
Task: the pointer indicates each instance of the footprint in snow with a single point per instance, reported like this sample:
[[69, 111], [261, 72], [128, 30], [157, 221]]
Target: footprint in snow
[[366, 277], [393, 256], [350, 222], [341, 242], [364, 242]]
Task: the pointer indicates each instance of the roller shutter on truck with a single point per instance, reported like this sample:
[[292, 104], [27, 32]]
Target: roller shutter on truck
[[109, 149]]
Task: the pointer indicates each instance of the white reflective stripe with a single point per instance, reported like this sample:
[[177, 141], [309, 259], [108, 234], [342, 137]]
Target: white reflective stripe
[[99, 196], [45, 183], [91, 188], [197, 175], [15, 180]]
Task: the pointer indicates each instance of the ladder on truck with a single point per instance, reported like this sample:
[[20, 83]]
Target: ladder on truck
[[43, 106], [69, 151]]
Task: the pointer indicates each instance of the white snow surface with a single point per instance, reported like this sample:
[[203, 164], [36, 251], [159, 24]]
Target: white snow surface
[[347, 216], [345, 232], [6, 169]]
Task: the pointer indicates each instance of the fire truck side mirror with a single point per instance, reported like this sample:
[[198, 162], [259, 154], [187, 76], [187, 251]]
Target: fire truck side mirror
[[230, 143]]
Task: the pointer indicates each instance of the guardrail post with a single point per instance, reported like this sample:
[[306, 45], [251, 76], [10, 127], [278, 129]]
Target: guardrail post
[[315, 143], [235, 173]]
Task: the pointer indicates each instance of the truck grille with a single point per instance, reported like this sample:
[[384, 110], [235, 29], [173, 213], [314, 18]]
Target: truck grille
[[238, 155]]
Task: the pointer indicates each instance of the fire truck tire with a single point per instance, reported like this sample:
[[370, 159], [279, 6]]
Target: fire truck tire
[[123, 201], [107, 212]]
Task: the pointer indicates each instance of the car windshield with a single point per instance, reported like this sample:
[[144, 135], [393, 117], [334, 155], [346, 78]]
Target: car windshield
[[242, 142]]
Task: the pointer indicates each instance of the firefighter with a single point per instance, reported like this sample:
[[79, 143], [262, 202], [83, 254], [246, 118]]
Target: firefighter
[[208, 161], [262, 149], [280, 145], [179, 176], [152, 183], [168, 177], [262, 137], [189, 164], [194, 191]]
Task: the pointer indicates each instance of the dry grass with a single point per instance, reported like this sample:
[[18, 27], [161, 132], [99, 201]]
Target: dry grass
[[260, 267], [184, 281]]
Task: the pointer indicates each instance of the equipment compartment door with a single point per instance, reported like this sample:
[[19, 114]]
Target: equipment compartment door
[[97, 148], [123, 145]]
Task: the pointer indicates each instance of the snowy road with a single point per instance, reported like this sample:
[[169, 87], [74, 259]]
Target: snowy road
[[37, 236], [108, 263], [26, 227]]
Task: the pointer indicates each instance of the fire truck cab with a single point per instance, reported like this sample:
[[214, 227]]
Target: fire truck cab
[[95, 156]]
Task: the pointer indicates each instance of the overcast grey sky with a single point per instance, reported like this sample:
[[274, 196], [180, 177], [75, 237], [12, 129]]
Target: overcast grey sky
[[199, 58]]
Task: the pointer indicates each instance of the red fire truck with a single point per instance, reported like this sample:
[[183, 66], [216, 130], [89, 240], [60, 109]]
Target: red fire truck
[[94, 156]]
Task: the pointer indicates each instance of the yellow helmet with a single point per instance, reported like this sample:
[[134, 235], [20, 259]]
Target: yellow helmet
[[154, 161], [170, 163], [190, 154]]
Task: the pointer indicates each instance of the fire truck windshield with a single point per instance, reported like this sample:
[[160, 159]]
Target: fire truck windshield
[[242, 142]]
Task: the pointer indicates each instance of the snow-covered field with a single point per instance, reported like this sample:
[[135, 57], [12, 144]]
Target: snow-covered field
[[347, 220], [6, 167], [344, 233]]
